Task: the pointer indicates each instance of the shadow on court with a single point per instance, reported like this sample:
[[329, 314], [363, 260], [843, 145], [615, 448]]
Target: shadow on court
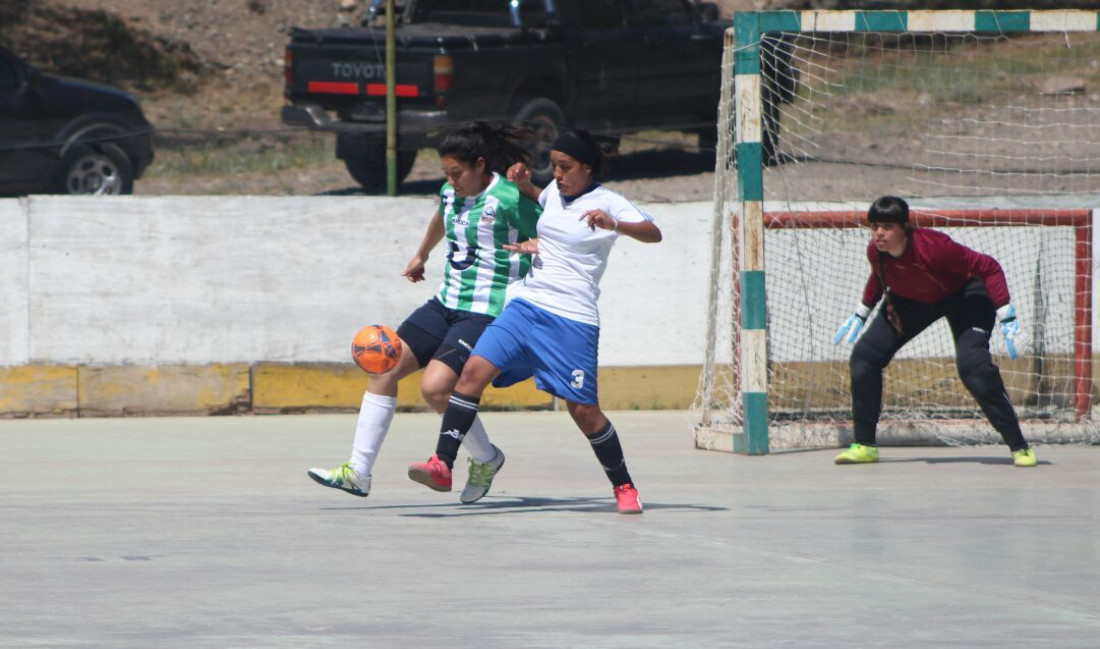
[[975, 459], [490, 505]]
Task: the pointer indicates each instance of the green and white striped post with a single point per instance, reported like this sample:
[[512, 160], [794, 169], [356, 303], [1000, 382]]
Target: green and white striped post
[[748, 28], [753, 353]]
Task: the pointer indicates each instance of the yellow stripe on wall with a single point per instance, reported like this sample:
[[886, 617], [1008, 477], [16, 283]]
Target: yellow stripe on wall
[[38, 390], [262, 388]]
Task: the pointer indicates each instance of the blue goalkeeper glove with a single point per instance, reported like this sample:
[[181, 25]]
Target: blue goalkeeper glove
[[852, 327], [1015, 340]]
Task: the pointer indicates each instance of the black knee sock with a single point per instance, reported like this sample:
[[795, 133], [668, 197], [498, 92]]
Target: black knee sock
[[457, 419], [605, 442]]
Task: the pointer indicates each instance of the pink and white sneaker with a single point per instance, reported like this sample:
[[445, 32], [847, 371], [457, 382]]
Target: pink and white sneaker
[[627, 498], [433, 473]]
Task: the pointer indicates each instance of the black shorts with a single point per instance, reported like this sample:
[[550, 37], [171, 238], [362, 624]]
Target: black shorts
[[447, 335]]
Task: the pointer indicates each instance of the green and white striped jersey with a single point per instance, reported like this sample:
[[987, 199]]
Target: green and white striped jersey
[[478, 269]]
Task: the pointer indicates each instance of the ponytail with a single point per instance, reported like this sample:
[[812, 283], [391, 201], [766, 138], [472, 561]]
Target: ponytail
[[500, 146]]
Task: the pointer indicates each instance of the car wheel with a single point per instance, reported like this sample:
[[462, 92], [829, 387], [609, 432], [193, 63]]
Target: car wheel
[[546, 121], [368, 168], [103, 170]]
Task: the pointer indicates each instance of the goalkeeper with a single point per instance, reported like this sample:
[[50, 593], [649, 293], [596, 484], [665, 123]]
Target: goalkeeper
[[924, 275]]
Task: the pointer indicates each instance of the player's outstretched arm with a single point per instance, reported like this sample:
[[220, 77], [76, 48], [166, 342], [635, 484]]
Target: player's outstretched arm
[[644, 231], [528, 247], [520, 174], [414, 271]]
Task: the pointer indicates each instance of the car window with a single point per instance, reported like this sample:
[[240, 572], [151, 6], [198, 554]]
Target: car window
[[601, 14], [657, 12], [470, 6], [533, 12], [464, 12], [9, 74]]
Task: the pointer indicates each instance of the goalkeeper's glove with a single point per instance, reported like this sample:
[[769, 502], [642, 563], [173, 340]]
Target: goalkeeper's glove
[[1015, 340], [852, 327]]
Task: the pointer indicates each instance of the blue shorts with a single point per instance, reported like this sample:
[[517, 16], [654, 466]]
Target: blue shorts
[[561, 354], [434, 332]]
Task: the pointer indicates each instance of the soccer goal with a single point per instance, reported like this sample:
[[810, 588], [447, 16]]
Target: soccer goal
[[988, 124]]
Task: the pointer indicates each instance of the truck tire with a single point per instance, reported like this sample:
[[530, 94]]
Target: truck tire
[[102, 170], [708, 146], [368, 168], [546, 120]]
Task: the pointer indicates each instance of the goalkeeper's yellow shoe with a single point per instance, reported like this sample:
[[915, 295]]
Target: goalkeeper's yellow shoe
[[1024, 457], [858, 454]]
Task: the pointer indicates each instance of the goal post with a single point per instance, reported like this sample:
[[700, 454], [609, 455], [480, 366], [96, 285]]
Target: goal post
[[988, 123]]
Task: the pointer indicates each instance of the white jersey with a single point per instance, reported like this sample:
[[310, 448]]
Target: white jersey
[[565, 274]]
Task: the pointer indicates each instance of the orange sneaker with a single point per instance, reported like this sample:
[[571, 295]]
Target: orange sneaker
[[626, 496], [433, 473]]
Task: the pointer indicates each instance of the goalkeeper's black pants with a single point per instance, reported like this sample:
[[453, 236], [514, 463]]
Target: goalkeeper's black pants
[[971, 316]]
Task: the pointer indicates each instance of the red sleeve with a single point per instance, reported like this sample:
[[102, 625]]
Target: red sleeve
[[958, 258], [872, 292]]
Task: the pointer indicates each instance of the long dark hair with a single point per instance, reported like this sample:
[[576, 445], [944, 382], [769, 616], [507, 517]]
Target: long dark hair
[[500, 145]]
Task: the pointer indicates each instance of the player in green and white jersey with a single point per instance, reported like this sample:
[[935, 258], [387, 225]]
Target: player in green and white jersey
[[480, 212], [479, 270]]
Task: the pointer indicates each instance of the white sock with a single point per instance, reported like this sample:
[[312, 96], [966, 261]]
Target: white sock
[[476, 443], [375, 416]]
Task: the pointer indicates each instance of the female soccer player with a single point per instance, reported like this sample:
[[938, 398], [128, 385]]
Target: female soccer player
[[924, 275], [551, 329], [481, 214]]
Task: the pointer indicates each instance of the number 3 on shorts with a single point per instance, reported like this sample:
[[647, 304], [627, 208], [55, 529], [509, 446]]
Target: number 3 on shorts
[[578, 379]]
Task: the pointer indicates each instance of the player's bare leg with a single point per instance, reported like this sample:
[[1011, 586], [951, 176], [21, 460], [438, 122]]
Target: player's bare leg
[[375, 415]]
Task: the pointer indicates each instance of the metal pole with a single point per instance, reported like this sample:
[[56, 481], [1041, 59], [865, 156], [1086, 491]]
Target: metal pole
[[391, 100]]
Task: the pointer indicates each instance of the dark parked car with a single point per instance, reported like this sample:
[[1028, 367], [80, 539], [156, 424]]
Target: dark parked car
[[60, 135]]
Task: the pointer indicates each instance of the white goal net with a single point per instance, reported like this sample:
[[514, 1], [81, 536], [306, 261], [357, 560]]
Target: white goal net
[[988, 124]]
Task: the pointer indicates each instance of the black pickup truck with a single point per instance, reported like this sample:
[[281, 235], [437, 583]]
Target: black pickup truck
[[611, 66]]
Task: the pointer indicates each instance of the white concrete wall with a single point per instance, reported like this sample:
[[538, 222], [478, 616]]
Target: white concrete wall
[[151, 280], [14, 289]]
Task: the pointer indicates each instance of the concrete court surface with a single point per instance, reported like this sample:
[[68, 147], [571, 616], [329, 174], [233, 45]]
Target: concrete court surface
[[206, 532]]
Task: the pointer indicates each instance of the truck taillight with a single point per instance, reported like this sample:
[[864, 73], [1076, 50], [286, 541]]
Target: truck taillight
[[288, 72], [443, 70]]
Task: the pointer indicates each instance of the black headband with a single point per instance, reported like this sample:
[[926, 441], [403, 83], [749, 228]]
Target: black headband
[[573, 146]]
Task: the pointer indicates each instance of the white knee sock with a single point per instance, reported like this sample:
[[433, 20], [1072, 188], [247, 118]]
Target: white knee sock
[[476, 443], [375, 416]]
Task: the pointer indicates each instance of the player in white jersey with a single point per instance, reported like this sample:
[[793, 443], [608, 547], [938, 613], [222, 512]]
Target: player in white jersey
[[480, 215], [551, 329]]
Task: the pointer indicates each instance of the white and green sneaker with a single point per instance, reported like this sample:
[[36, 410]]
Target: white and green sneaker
[[343, 478], [480, 477]]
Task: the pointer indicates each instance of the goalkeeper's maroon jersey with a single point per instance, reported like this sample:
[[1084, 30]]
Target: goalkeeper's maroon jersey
[[933, 267]]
